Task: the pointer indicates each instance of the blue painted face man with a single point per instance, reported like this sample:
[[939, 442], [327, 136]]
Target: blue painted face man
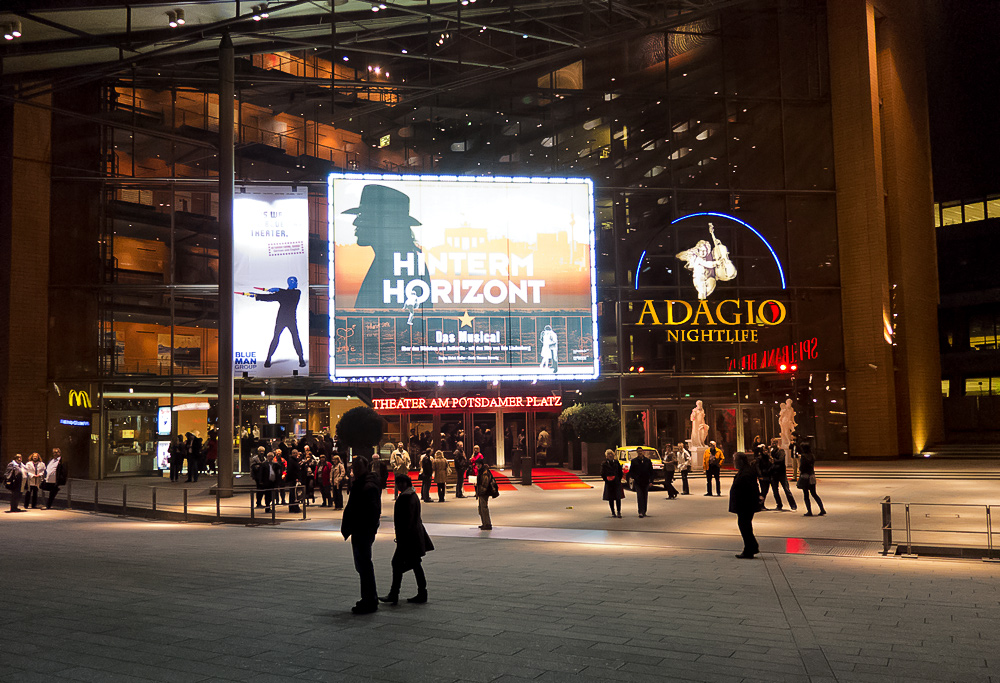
[[288, 304]]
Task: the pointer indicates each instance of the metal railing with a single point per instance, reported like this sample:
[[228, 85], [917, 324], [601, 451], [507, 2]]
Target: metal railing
[[970, 525], [151, 500]]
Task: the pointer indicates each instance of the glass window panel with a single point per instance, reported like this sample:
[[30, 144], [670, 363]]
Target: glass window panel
[[937, 215], [951, 215], [974, 212], [750, 45], [945, 386], [982, 386], [993, 207], [983, 332], [812, 240], [755, 145], [808, 140]]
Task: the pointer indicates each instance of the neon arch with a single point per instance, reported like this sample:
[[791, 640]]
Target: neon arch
[[777, 262]]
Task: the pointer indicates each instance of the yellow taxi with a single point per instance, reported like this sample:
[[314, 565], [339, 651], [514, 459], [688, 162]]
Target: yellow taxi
[[624, 455]]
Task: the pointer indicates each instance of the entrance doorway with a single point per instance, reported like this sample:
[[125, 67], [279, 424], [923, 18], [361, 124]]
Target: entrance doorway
[[484, 435]]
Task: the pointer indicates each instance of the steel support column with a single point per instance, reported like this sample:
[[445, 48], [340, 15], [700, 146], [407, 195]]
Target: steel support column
[[226, 175]]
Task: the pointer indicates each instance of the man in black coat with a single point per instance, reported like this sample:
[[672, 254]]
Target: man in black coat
[[640, 474], [193, 456], [291, 481], [14, 479], [360, 524], [461, 467], [412, 542], [744, 501]]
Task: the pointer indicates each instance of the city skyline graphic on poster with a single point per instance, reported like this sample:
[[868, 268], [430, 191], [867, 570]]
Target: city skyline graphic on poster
[[462, 277], [271, 281]]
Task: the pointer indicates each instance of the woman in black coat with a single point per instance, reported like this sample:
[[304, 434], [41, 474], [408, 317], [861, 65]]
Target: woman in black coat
[[412, 542], [611, 473], [744, 501], [807, 479]]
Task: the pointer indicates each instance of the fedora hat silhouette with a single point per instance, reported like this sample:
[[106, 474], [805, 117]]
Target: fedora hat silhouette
[[384, 205]]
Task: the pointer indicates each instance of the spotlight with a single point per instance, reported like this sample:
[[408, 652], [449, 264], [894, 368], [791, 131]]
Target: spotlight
[[15, 30], [180, 17], [171, 18]]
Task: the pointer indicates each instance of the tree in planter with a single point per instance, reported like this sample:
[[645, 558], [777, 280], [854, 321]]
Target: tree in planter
[[361, 429], [594, 424]]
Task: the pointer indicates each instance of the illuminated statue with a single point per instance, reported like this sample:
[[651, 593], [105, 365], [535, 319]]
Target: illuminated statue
[[708, 264], [786, 423], [699, 430]]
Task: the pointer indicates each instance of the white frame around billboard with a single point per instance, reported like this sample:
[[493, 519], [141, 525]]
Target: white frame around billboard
[[457, 374]]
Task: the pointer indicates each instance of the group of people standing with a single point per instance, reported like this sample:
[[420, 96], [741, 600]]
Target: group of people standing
[[282, 480], [25, 479], [200, 456]]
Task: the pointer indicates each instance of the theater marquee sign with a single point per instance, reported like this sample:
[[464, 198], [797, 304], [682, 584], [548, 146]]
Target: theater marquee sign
[[707, 265]]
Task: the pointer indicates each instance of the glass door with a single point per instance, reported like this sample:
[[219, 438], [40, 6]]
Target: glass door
[[484, 428]]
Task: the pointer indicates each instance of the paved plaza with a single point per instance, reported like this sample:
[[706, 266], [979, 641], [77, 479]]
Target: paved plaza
[[100, 598]]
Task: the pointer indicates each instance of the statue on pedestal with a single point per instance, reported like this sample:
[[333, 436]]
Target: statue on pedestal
[[786, 423], [699, 430]]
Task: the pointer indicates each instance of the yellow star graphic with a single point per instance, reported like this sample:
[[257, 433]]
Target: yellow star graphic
[[466, 320]]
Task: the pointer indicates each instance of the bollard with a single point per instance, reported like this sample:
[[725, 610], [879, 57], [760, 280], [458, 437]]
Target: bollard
[[989, 535], [909, 542], [274, 511], [185, 505], [69, 494], [252, 511], [96, 493], [154, 499], [886, 525], [124, 499], [305, 503], [218, 505]]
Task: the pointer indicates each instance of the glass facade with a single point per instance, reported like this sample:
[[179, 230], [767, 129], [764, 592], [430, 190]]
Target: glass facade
[[728, 115]]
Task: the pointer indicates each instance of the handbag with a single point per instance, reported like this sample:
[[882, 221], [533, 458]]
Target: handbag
[[803, 482]]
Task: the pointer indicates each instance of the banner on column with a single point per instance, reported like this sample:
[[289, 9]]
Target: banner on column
[[271, 281]]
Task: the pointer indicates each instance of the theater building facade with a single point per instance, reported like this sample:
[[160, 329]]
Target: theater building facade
[[715, 219]]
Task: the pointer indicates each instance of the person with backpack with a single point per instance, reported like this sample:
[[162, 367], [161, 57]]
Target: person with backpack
[[713, 467], [486, 488], [779, 474], [13, 481], [762, 462]]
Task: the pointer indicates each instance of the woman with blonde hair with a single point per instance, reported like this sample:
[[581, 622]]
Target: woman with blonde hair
[[34, 473], [440, 473]]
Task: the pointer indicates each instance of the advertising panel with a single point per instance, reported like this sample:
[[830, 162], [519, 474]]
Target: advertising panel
[[462, 278], [271, 281]]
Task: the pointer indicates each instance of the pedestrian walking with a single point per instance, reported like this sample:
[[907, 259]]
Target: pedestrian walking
[[212, 451], [762, 462], [684, 466], [339, 481], [426, 474], [807, 479], [486, 488], [55, 476], [412, 542], [34, 473], [779, 475], [793, 455], [713, 459], [611, 473], [257, 464], [360, 524], [324, 476], [399, 460], [440, 474], [744, 501], [461, 468], [13, 481], [640, 476], [669, 467]]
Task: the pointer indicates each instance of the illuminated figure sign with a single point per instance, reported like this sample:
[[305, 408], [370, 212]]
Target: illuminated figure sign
[[464, 278], [708, 264], [271, 281], [79, 399]]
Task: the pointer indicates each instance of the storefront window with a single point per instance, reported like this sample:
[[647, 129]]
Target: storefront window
[[130, 437]]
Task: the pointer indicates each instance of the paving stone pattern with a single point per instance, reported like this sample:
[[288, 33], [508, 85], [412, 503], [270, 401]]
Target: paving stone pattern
[[95, 598]]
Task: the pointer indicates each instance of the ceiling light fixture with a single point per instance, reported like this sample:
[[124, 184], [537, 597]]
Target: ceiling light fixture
[[180, 17], [172, 18]]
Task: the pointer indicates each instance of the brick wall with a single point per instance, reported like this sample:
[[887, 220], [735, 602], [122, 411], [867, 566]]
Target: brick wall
[[25, 360]]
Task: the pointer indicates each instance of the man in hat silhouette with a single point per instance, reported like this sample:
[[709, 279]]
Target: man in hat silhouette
[[384, 223], [288, 303]]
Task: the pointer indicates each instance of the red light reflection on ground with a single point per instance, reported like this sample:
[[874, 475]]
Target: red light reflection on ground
[[796, 546]]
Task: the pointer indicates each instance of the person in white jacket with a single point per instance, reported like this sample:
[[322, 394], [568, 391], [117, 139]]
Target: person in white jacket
[[684, 467], [34, 473]]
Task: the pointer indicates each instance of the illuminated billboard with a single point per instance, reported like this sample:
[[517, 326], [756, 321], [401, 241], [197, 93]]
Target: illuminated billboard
[[271, 281], [462, 278]]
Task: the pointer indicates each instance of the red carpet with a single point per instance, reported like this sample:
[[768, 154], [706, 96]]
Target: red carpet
[[503, 483], [555, 479]]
